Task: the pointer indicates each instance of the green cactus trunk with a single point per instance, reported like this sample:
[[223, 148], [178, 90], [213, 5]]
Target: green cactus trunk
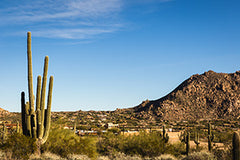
[[4, 133], [187, 143], [165, 135], [23, 113], [17, 128], [196, 140], [35, 122], [74, 127], [236, 146], [210, 137], [185, 137]]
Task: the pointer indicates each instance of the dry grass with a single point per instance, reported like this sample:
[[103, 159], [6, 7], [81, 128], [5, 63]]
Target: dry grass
[[46, 156], [77, 157], [165, 157]]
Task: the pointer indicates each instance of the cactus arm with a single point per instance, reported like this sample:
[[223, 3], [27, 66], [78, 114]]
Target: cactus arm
[[30, 86], [38, 97], [166, 138], [33, 125], [43, 95], [24, 129], [28, 120], [212, 137], [48, 112], [30, 74], [38, 100]]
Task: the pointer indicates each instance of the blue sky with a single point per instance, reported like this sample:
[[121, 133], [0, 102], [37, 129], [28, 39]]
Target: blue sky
[[108, 54]]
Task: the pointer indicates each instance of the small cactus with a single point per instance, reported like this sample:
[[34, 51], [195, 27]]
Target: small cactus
[[210, 137], [17, 127], [165, 135], [185, 137], [236, 146], [196, 140], [4, 133], [74, 127]]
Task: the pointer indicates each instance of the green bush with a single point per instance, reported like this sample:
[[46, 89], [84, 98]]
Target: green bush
[[20, 146], [109, 143], [223, 154], [144, 144], [65, 142], [176, 149]]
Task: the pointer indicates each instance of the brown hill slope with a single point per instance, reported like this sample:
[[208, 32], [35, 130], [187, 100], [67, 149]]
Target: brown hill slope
[[3, 112], [206, 96]]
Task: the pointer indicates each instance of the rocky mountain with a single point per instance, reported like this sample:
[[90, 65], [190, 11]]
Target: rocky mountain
[[207, 96], [3, 112]]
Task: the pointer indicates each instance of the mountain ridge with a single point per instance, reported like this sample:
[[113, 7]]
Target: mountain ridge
[[210, 95]]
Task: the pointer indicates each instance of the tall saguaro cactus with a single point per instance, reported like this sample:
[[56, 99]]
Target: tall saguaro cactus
[[236, 146], [36, 122]]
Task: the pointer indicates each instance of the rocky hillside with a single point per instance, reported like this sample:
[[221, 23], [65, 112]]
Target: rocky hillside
[[206, 96], [3, 112]]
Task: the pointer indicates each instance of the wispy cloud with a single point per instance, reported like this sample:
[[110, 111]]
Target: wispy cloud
[[71, 19], [72, 33]]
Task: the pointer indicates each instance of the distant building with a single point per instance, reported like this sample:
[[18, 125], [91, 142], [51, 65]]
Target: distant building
[[111, 125]]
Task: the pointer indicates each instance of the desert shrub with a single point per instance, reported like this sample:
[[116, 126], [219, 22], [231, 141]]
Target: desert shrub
[[20, 146], [221, 154], [65, 142], [176, 149], [144, 144], [200, 156], [223, 137], [109, 143], [114, 130]]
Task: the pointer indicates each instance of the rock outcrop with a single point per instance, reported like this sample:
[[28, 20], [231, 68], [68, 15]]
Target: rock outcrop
[[207, 96]]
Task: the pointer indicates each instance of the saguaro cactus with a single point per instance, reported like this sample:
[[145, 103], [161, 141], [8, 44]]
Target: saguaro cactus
[[236, 146], [165, 135], [17, 127], [75, 127], [186, 139], [196, 140], [210, 137], [4, 133], [36, 122]]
